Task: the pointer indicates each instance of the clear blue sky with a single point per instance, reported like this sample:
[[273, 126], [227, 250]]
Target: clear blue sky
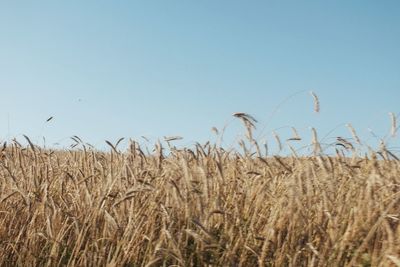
[[110, 69]]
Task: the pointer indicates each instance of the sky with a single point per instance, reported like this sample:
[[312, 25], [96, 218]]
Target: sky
[[111, 69]]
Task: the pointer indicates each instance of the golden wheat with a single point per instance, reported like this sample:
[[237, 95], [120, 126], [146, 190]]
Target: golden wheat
[[196, 207]]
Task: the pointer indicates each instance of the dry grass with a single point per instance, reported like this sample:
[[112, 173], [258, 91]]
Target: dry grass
[[199, 207]]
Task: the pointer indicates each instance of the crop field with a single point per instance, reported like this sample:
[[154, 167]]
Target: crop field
[[203, 206], [200, 133]]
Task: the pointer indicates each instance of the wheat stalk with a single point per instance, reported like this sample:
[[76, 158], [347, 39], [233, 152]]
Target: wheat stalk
[[393, 120], [316, 102], [353, 133]]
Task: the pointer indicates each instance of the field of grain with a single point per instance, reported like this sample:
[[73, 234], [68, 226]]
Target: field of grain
[[203, 206]]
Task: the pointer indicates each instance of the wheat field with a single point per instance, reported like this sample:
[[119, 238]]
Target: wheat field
[[204, 206]]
